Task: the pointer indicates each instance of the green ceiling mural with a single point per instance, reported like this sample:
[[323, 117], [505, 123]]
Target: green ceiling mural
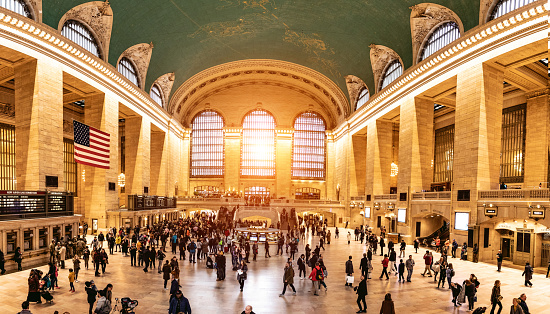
[[329, 36]]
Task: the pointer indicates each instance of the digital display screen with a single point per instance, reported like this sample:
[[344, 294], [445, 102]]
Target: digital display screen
[[537, 213], [462, 220], [367, 212], [402, 215]]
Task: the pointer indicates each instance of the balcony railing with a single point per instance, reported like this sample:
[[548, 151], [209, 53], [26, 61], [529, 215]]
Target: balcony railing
[[144, 202], [538, 194], [431, 196], [384, 197]]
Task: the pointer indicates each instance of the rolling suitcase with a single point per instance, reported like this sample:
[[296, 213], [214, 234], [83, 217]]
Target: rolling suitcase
[[47, 296]]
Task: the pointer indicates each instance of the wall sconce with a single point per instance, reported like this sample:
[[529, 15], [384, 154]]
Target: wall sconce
[[490, 210], [361, 205], [121, 180], [390, 206], [376, 205]]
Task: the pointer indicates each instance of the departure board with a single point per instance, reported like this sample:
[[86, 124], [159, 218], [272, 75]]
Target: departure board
[[57, 202], [14, 202]]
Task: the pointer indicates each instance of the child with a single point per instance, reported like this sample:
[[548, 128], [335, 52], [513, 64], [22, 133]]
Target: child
[[71, 279]]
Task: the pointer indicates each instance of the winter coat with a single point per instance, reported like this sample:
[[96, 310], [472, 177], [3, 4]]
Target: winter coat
[[184, 306], [387, 307], [349, 267], [166, 272], [362, 288], [103, 306], [289, 275]]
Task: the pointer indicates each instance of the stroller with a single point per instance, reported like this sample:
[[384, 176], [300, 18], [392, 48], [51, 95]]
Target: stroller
[[209, 262], [45, 284]]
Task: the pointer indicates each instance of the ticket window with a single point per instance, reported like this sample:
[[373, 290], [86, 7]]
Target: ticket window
[[12, 242], [69, 231], [27, 240], [43, 238], [56, 234]]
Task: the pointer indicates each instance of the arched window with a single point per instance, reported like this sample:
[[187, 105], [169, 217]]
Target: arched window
[[207, 154], [445, 34], [17, 6], [363, 98], [308, 151], [126, 68], [156, 95], [81, 35], [258, 145], [506, 6], [393, 71]]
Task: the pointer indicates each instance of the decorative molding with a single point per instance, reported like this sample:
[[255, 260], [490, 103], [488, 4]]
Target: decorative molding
[[36, 9], [68, 127], [380, 58], [424, 18], [7, 110], [355, 86], [140, 55], [277, 68], [165, 82], [98, 16], [484, 6], [538, 93]]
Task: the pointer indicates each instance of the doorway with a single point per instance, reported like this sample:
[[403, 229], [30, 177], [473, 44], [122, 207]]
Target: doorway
[[506, 249]]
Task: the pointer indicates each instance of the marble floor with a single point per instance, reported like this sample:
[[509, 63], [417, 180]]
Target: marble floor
[[264, 284]]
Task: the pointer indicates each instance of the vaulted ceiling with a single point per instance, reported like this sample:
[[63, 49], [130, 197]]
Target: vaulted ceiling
[[329, 36]]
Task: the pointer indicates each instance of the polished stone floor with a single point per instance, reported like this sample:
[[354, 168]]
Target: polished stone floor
[[265, 283]]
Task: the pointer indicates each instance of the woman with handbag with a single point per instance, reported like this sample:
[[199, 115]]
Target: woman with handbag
[[528, 273], [496, 298], [241, 273], [470, 292]]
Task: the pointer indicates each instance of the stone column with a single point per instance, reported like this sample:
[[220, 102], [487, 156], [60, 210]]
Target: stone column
[[186, 162], [379, 153], [536, 139], [283, 162], [478, 128], [175, 174], [232, 157], [330, 186], [415, 145], [39, 124], [159, 163], [358, 165], [138, 154], [101, 112]]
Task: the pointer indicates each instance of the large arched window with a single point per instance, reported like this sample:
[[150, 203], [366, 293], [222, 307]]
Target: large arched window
[[156, 94], [81, 35], [393, 71], [17, 6], [309, 146], [506, 6], [127, 68], [207, 154], [442, 36], [363, 98], [258, 145]]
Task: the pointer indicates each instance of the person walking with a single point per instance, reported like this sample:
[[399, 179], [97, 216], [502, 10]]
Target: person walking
[[160, 257], [454, 248], [496, 298], [382, 245], [428, 263], [179, 304], [387, 305], [266, 247], [450, 274], [349, 237], [166, 272], [242, 274], [416, 245], [301, 267], [409, 264], [288, 279], [470, 292], [76, 267], [133, 253], [364, 265], [476, 253], [71, 279], [499, 260], [393, 260], [442, 275], [516, 308], [349, 271], [385, 263], [191, 247], [91, 291], [528, 273], [401, 270], [361, 291], [220, 266], [18, 258], [402, 247], [314, 275], [522, 302]]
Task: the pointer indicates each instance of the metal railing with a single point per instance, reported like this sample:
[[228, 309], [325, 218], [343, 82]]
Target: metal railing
[[383, 197], [538, 194], [431, 196], [144, 202]]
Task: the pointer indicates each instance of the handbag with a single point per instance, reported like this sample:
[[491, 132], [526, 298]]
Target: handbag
[[475, 298], [499, 298], [350, 280]]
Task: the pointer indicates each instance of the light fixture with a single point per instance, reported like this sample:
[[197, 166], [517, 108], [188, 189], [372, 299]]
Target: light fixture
[[394, 169], [84, 175], [121, 180], [491, 210]]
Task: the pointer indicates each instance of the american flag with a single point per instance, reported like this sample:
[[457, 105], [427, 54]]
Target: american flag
[[91, 146]]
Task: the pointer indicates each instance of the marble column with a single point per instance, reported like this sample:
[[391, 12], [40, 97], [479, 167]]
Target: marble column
[[379, 153]]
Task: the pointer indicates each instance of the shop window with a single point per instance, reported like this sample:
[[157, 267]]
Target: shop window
[[27, 240], [56, 234], [309, 147], [12, 242], [81, 35], [512, 154], [42, 238], [68, 231], [207, 145], [379, 222], [207, 191], [444, 154]]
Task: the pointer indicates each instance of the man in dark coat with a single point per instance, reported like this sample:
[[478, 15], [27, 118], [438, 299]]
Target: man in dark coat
[[364, 265], [179, 304], [361, 293], [349, 269], [220, 264]]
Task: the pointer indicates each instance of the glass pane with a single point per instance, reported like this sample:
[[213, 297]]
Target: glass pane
[[207, 148], [441, 37], [308, 151], [80, 35], [258, 145]]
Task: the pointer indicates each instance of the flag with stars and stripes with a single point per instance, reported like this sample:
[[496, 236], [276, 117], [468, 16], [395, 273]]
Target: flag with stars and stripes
[[91, 146]]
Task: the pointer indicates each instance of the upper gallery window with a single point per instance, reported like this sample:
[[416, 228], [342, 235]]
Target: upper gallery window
[[363, 98], [126, 68], [17, 6], [440, 37], [258, 145], [207, 150], [156, 95], [506, 6], [308, 151], [393, 71], [512, 152], [81, 35]]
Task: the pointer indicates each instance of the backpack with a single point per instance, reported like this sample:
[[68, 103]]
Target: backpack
[[319, 275]]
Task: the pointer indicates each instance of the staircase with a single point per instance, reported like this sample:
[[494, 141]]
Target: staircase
[[442, 233]]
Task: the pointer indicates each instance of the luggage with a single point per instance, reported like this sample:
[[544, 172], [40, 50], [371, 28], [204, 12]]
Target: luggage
[[47, 296], [349, 280]]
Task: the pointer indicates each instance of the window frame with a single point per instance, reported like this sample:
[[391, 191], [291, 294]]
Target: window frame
[[385, 73], [514, 127], [209, 153], [91, 41], [128, 66], [428, 43], [492, 14], [294, 168], [24, 5], [155, 86], [242, 168], [361, 96], [443, 144]]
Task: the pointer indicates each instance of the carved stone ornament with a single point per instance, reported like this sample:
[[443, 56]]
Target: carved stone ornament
[[355, 86], [98, 16], [484, 6], [165, 82], [36, 9], [7, 110], [426, 16], [380, 57], [140, 55]]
